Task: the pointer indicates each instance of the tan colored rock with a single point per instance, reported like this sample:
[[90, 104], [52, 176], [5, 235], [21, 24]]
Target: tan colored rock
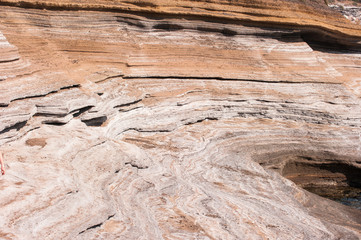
[[176, 120]]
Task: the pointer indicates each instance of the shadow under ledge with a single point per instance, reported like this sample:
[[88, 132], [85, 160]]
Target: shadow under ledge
[[330, 179]]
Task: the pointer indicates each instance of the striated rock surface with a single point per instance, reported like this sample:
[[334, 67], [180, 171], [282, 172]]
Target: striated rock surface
[[177, 120]]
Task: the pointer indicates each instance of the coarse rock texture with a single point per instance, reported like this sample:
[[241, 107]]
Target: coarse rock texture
[[349, 9], [177, 119]]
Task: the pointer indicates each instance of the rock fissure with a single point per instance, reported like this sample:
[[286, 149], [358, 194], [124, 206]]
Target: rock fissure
[[96, 225], [128, 104], [141, 130], [9, 61], [109, 78], [136, 166], [46, 94], [228, 79]]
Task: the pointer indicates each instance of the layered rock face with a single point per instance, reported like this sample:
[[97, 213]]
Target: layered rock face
[[350, 9], [177, 120]]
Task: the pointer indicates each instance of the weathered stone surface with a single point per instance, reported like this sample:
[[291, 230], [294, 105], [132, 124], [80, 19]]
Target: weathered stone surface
[[349, 9], [176, 120]]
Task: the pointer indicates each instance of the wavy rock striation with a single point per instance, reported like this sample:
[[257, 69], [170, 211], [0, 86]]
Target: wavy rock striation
[[177, 120]]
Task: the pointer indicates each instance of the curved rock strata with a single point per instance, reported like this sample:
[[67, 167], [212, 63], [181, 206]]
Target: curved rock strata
[[176, 120]]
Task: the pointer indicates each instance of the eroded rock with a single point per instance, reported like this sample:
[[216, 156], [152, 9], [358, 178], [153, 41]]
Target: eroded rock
[[177, 120]]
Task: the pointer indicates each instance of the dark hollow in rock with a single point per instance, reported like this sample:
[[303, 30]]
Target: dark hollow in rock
[[78, 112], [319, 41], [331, 179], [16, 126], [168, 27], [54, 123], [95, 122]]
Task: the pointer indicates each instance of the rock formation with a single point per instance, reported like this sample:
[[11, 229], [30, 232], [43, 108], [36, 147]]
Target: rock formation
[[349, 9], [177, 119]]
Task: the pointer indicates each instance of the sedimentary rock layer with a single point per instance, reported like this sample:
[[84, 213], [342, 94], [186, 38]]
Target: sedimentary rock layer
[[308, 14], [131, 120]]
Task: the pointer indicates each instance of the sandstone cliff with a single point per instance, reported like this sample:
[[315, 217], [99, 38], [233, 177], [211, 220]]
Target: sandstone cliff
[[177, 119]]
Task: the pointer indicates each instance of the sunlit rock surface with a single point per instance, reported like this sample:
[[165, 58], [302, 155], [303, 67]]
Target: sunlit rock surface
[[158, 120]]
